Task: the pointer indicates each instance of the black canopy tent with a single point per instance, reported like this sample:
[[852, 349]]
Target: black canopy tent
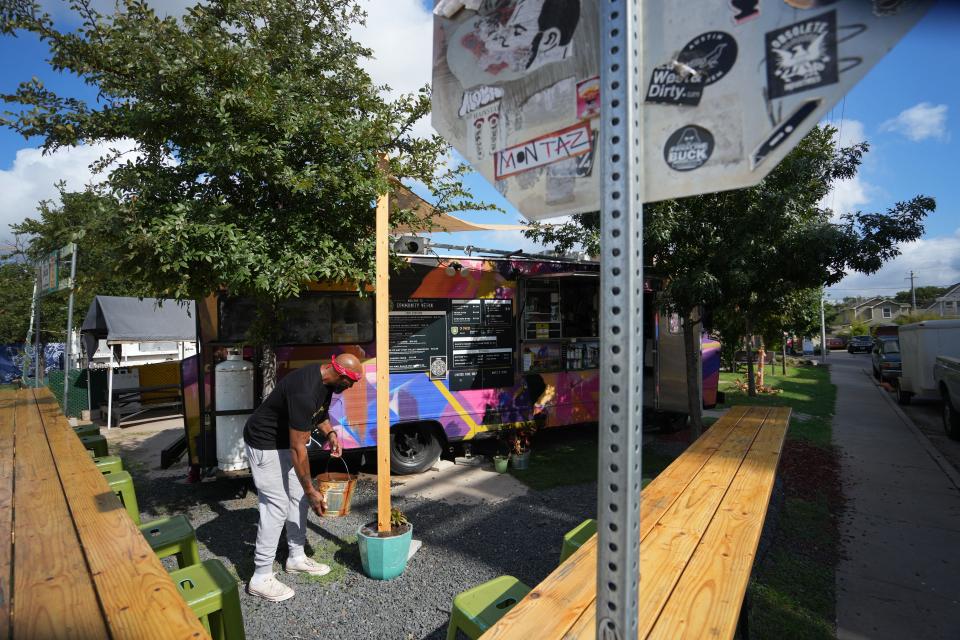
[[120, 320]]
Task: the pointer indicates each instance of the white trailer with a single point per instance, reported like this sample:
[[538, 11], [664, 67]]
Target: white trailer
[[920, 344]]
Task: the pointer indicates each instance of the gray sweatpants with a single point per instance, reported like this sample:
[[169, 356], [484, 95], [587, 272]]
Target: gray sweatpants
[[281, 499]]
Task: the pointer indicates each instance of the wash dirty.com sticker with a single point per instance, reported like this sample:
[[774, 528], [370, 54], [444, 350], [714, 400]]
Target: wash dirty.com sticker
[[688, 148], [703, 61]]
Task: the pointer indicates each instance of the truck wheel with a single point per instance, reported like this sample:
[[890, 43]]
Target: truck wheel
[[414, 448], [903, 397], [951, 419]]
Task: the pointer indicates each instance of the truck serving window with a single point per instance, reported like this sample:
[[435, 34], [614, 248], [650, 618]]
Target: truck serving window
[[311, 319]]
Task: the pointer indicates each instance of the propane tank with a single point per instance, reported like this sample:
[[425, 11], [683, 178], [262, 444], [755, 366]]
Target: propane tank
[[233, 379]]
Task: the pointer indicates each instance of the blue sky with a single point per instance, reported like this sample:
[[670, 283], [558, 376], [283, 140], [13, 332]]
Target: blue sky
[[906, 108]]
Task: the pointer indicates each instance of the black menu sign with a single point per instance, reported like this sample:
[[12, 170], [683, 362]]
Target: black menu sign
[[482, 344], [418, 336]]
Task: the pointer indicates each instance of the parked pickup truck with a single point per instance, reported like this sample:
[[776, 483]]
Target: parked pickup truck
[[946, 372]]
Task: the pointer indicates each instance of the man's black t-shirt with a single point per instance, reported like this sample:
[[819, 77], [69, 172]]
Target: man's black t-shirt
[[300, 402]]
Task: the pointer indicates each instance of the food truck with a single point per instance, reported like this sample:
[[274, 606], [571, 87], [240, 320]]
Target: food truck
[[477, 344]]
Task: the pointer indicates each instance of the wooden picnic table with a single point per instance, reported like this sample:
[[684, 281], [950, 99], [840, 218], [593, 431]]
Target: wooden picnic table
[[80, 567], [700, 525]]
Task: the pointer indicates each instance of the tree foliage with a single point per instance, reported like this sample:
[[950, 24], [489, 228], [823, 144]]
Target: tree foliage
[[925, 295], [755, 255], [256, 137]]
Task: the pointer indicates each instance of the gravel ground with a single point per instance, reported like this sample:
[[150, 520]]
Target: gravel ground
[[462, 547]]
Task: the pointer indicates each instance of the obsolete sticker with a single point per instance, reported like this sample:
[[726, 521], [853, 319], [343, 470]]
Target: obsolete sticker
[[688, 148], [668, 87], [478, 97], [711, 55], [588, 98], [802, 56], [746, 10], [539, 152], [783, 131]]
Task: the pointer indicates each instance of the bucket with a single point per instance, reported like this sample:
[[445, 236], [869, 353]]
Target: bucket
[[337, 489], [520, 461]]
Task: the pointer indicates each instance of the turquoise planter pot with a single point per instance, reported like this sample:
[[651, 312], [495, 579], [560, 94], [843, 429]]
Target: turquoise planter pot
[[384, 558]]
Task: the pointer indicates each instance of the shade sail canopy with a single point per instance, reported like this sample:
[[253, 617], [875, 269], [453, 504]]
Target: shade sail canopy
[[402, 198], [118, 320]]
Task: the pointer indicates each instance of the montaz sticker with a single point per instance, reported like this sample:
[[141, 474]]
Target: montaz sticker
[[802, 56], [688, 148], [546, 149]]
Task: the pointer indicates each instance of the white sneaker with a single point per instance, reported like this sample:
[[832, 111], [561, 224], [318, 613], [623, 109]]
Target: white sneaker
[[303, 564], [269, 588]]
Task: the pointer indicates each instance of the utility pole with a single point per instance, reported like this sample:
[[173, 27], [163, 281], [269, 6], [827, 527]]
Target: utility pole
[[823, 330], [913, 292]]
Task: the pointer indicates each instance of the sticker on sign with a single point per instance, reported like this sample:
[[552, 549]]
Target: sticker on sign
[[729, 89]]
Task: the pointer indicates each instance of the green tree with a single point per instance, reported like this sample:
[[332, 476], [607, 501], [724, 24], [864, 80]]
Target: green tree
[[746, 252], [925, 295], [91, 220], [256, 133]]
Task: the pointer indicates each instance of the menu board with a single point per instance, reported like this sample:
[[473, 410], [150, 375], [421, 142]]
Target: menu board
[[418, 336], [482, 344]]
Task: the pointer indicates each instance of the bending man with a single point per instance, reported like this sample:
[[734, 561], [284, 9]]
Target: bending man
[[276, 436]]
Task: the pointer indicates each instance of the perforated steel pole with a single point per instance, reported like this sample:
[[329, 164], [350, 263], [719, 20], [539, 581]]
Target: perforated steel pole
[[68, 351], [621, 361]]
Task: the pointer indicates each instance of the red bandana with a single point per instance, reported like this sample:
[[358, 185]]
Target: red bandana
[[343, 370]]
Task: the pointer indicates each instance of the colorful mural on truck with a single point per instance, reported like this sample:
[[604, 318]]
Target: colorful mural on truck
[[460, 357]]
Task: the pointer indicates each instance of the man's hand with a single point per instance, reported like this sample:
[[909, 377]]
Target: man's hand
[[317, 502], [336, 449]]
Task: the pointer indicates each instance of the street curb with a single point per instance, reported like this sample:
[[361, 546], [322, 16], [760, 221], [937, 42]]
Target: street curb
[[942, 462]]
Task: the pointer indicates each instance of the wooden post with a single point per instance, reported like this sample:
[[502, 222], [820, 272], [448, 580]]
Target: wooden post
[[383, 364]]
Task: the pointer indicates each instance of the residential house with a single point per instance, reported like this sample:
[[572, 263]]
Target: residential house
[[875, 311], [948, 304]]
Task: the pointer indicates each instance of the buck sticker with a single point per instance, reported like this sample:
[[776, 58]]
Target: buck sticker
[[688, 148], [802, 56]]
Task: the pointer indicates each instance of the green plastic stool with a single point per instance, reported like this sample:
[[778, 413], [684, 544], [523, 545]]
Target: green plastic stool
[[108, 464], [212, 593], [575, 538], [89, 429], [122, 484], [477, 609], [97, 444], [173, 536]]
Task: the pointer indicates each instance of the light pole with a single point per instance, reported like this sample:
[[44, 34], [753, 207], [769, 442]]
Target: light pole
[[823, 329]]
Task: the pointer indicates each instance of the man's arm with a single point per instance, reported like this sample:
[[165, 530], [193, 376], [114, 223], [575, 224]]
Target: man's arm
[[331, 436], [301, 465]]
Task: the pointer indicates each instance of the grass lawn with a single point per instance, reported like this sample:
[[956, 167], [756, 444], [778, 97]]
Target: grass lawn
[[568, 456], [793, 590]]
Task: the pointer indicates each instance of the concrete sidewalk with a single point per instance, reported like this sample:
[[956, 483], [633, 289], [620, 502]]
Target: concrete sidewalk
[[900, 572]]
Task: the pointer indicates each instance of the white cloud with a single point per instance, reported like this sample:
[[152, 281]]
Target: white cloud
[[934, 261], [33, 177], [400, 33], [920, 122], [848, 195]]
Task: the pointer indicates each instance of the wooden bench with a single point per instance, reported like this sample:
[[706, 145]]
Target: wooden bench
[[700, 524], [80, 566]]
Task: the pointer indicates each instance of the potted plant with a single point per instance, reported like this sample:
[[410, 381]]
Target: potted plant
[[384, 554], [504, 445], [520, 444]]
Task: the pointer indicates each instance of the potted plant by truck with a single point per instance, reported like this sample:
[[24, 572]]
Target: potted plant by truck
[[520, 444], [384, 554]]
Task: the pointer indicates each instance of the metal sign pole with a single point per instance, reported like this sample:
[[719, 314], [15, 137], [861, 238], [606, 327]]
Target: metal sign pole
[[69, 342], [621, 361]]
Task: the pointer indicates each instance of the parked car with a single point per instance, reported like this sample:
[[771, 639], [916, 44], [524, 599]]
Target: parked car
[[836, 342], [886, 359], [920, 345], [946, 373], [860, 344]]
